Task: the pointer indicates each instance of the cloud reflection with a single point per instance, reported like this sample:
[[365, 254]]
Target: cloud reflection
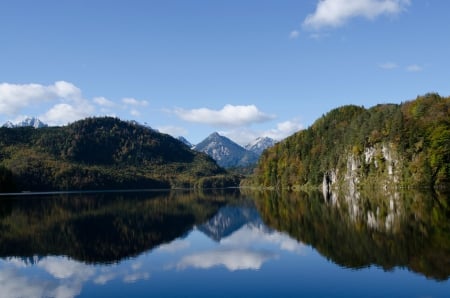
[[246, 249], [232, 259], [64, 277], [62, 268], [256, 235], [134, 277], [14, 285], [174, 246]]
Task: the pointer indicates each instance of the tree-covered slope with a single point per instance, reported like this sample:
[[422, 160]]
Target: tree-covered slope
[[98, 153], [387, 145]]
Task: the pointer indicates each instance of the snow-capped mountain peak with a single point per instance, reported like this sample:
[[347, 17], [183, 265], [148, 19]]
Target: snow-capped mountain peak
[[260, 144], [31, 121], [8, 124], [27, 122]]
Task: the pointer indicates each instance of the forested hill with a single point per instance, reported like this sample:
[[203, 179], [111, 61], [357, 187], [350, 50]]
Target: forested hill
[[386, 145], [100, 153]]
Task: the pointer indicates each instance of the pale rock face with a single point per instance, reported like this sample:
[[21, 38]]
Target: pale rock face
[[380, 155], [369, 153]]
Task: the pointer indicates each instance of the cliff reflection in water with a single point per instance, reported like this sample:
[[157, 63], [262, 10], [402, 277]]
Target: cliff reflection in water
[[100, 228], [408, 229]]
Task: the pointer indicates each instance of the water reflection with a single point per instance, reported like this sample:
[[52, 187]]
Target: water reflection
[[214, 235], [198, 245], [242, 241], [408, 229], [100, 228]]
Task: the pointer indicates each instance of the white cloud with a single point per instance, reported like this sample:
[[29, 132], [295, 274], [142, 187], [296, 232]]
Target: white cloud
[[388, 65], [229, 115], [135, 112], [284, 129], [243, 136], [104, 102], [15, 97], [294, 34], [133, 105], [65, 90], [64, 113], [134, 102], [335, 13], [414, 68], [66, 98]]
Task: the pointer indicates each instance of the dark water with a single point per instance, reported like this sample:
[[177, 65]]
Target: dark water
[[224, 244]]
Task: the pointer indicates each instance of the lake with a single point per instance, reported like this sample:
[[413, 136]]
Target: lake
[[224, 243]]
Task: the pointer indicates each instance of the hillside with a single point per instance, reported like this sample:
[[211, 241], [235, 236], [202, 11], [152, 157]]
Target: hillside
[[388, 145], [100, 153]]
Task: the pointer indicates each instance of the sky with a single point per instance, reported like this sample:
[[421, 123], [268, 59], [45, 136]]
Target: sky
[[243, 68]]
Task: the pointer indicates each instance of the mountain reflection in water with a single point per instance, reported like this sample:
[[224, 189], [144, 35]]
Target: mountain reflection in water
[[218, 244]]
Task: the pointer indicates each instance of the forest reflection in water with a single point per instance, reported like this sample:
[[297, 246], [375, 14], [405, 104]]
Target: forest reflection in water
[[101, 227], [68, 245], [409, 229]]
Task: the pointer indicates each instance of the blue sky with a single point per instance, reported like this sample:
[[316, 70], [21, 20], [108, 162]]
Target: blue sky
[[243, 68]]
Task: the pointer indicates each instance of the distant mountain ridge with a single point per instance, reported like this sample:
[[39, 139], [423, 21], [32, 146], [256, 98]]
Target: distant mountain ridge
[[225, 152], [27, 122]]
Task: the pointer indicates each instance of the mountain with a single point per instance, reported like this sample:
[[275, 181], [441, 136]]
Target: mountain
[[33, 122], [185, 141], [101, 153], [351, 147], [259, 145], [225, 152], [27, 122], [9, 124]]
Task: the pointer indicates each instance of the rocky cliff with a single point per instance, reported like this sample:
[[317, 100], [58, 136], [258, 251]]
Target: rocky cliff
[[386, 146]]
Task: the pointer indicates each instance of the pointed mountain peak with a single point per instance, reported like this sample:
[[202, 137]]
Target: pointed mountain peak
[[225, 152], [215, 135]]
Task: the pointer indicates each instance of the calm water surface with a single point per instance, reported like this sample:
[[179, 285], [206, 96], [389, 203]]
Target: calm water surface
[[224, 244]]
